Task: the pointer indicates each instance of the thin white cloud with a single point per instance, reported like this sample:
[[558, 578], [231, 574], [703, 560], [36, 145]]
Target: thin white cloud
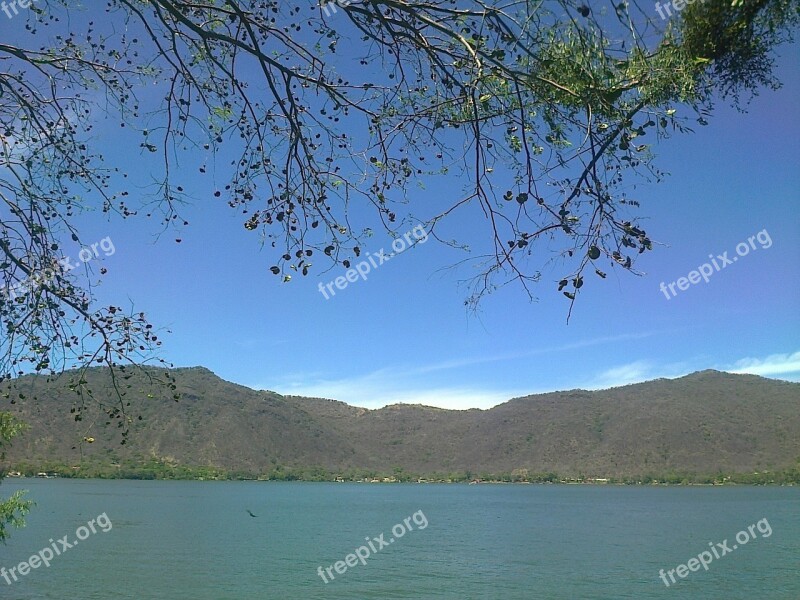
[[466, 362], [397, 385], [775, 364], [406, 384], [385, 386], [634, 372], [785, 365]]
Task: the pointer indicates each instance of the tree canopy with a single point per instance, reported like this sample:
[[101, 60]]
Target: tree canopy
[[311, 114], [14, 508]]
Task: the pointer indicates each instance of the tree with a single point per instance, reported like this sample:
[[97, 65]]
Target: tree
[[13, 509], [313, 114]]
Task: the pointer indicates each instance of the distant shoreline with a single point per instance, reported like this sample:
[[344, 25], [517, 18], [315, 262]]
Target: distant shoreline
[[176, 473], [407, 483]]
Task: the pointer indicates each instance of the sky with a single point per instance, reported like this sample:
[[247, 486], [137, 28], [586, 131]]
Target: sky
[[404, 334]]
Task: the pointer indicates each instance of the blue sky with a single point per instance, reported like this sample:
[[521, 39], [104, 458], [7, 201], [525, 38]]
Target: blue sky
[[404, 335]]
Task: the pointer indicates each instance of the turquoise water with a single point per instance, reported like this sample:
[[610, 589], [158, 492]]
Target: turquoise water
[[195, 540]]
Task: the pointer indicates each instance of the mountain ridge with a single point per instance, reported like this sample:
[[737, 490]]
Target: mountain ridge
[[706, 422]]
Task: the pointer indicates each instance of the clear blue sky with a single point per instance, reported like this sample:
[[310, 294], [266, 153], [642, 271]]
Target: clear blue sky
[[404, 334]]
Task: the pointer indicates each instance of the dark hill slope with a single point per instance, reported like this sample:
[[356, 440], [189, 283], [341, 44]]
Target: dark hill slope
[[704, 423]]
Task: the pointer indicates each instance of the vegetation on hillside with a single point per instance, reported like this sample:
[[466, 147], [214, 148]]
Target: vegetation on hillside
[[701, 428]]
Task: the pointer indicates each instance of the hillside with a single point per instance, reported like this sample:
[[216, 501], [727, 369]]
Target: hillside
[[707, 422]]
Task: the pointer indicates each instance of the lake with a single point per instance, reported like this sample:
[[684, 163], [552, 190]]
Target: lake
[[197, 540]]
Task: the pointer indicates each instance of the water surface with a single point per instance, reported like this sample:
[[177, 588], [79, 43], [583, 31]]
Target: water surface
[[196, 540]]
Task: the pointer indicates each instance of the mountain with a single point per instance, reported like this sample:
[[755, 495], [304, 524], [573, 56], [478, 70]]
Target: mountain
[[705, 423]]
